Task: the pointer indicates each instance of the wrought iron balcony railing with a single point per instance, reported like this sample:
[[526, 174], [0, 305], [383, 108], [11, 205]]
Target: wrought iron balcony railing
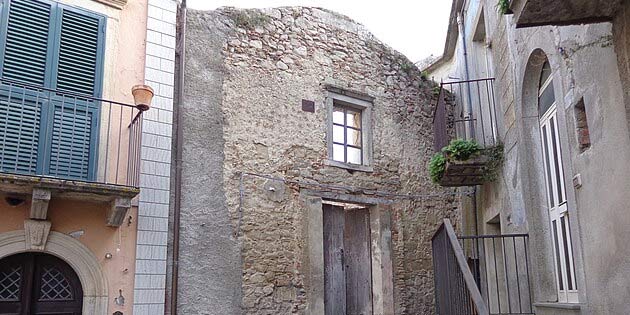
[[57, 134], [473, 115]]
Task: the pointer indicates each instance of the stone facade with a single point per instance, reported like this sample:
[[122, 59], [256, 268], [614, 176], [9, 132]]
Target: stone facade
[[621, 33], [251, 155]]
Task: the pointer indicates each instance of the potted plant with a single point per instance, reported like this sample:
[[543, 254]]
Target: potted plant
[[142, 96], [465, 163]]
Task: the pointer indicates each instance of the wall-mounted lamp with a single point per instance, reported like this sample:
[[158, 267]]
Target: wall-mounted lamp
[[142, 96], [14, 201]]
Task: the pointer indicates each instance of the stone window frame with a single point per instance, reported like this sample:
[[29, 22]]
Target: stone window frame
[[358, 101], [381, 249], [545, 291]]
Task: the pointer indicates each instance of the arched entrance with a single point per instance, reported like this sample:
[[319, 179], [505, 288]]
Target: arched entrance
[[38, 283]]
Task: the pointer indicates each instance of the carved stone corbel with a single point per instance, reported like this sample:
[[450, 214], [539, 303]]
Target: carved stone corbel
[[39, 204], [117, 211], [36, 233]]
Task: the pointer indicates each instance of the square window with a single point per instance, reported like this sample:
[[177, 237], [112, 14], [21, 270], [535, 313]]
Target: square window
[[349, 134], [346, 134]]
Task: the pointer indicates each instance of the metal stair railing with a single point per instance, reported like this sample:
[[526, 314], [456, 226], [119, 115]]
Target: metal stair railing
[[456, 292]]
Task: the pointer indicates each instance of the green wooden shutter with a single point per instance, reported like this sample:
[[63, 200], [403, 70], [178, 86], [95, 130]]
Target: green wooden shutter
[[80, 54], [26, 43], [74, 130], [24, 53]]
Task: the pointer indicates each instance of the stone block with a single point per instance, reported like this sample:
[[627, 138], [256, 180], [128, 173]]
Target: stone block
[[36, 233], [39, 204], [117, 211]]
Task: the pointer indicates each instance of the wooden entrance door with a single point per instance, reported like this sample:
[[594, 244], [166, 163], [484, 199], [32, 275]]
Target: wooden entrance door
[[34, 283], [347, 261]]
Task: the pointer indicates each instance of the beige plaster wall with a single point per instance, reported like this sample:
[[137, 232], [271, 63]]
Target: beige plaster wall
[[71, 216]]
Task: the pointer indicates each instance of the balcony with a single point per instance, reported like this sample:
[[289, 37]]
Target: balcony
[[65, 145], [466, 110], [530, 13]]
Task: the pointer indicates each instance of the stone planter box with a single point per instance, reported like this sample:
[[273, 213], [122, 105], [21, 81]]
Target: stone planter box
[[465, 173]]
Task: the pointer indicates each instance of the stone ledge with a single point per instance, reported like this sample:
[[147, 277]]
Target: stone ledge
[[531, 13], [66, 189], [348, 166], [556, 305]]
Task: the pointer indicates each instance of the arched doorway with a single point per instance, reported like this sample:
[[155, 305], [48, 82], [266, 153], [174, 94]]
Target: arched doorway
[[37, 283]]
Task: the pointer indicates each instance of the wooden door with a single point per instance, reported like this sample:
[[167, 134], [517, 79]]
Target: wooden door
[[33, 283], [347, 262]]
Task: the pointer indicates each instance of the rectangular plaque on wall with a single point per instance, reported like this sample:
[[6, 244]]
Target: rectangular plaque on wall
[[308, 106]]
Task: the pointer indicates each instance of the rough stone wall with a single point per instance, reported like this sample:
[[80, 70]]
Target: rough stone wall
[[621, 33], [271, 60]]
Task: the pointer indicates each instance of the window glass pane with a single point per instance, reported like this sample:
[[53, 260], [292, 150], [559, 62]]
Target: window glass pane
[[565, 241], [546, 99], [353, 119], [338, 153], [338, 115], [338, 134], [354, 155], [546, 73], [555, 240], [548, 161], [354, 137], [556, 157], [573, 260]]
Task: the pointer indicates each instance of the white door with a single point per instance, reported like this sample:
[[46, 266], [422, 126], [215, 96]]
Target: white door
[[558, 211]]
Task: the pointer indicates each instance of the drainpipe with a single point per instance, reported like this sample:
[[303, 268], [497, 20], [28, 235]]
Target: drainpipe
[[180, 53], [469, 109]]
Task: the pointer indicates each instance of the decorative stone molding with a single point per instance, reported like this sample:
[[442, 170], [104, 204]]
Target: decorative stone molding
[[114, 3], [79, 257], [36, 234], [39, 205], [117, 211]]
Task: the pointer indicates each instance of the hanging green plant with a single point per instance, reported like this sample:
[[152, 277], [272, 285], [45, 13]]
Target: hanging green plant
[[458, 153], [461, 150], [495, 161], [504, 7], [437, 166]]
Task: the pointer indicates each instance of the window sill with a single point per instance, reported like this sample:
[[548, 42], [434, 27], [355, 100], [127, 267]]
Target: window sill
[[557, 305], [352, 167]]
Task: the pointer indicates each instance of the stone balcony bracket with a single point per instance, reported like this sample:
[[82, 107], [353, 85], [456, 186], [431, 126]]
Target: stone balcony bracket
[[44, 189]]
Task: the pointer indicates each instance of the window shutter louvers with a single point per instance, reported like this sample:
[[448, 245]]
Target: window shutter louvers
[[54, 46], [74, 130], [78, 53], [26, 49], [25, 53]]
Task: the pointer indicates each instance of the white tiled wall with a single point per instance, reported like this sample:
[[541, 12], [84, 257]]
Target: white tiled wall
[[153, 207]]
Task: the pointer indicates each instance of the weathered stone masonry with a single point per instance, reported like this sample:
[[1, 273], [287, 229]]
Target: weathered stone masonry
[[246, 74]]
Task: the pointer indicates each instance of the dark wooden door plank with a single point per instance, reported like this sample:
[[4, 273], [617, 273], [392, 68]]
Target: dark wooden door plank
[[334, 275], [358, 262]]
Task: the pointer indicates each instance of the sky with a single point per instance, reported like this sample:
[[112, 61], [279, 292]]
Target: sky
[[416, 28]]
